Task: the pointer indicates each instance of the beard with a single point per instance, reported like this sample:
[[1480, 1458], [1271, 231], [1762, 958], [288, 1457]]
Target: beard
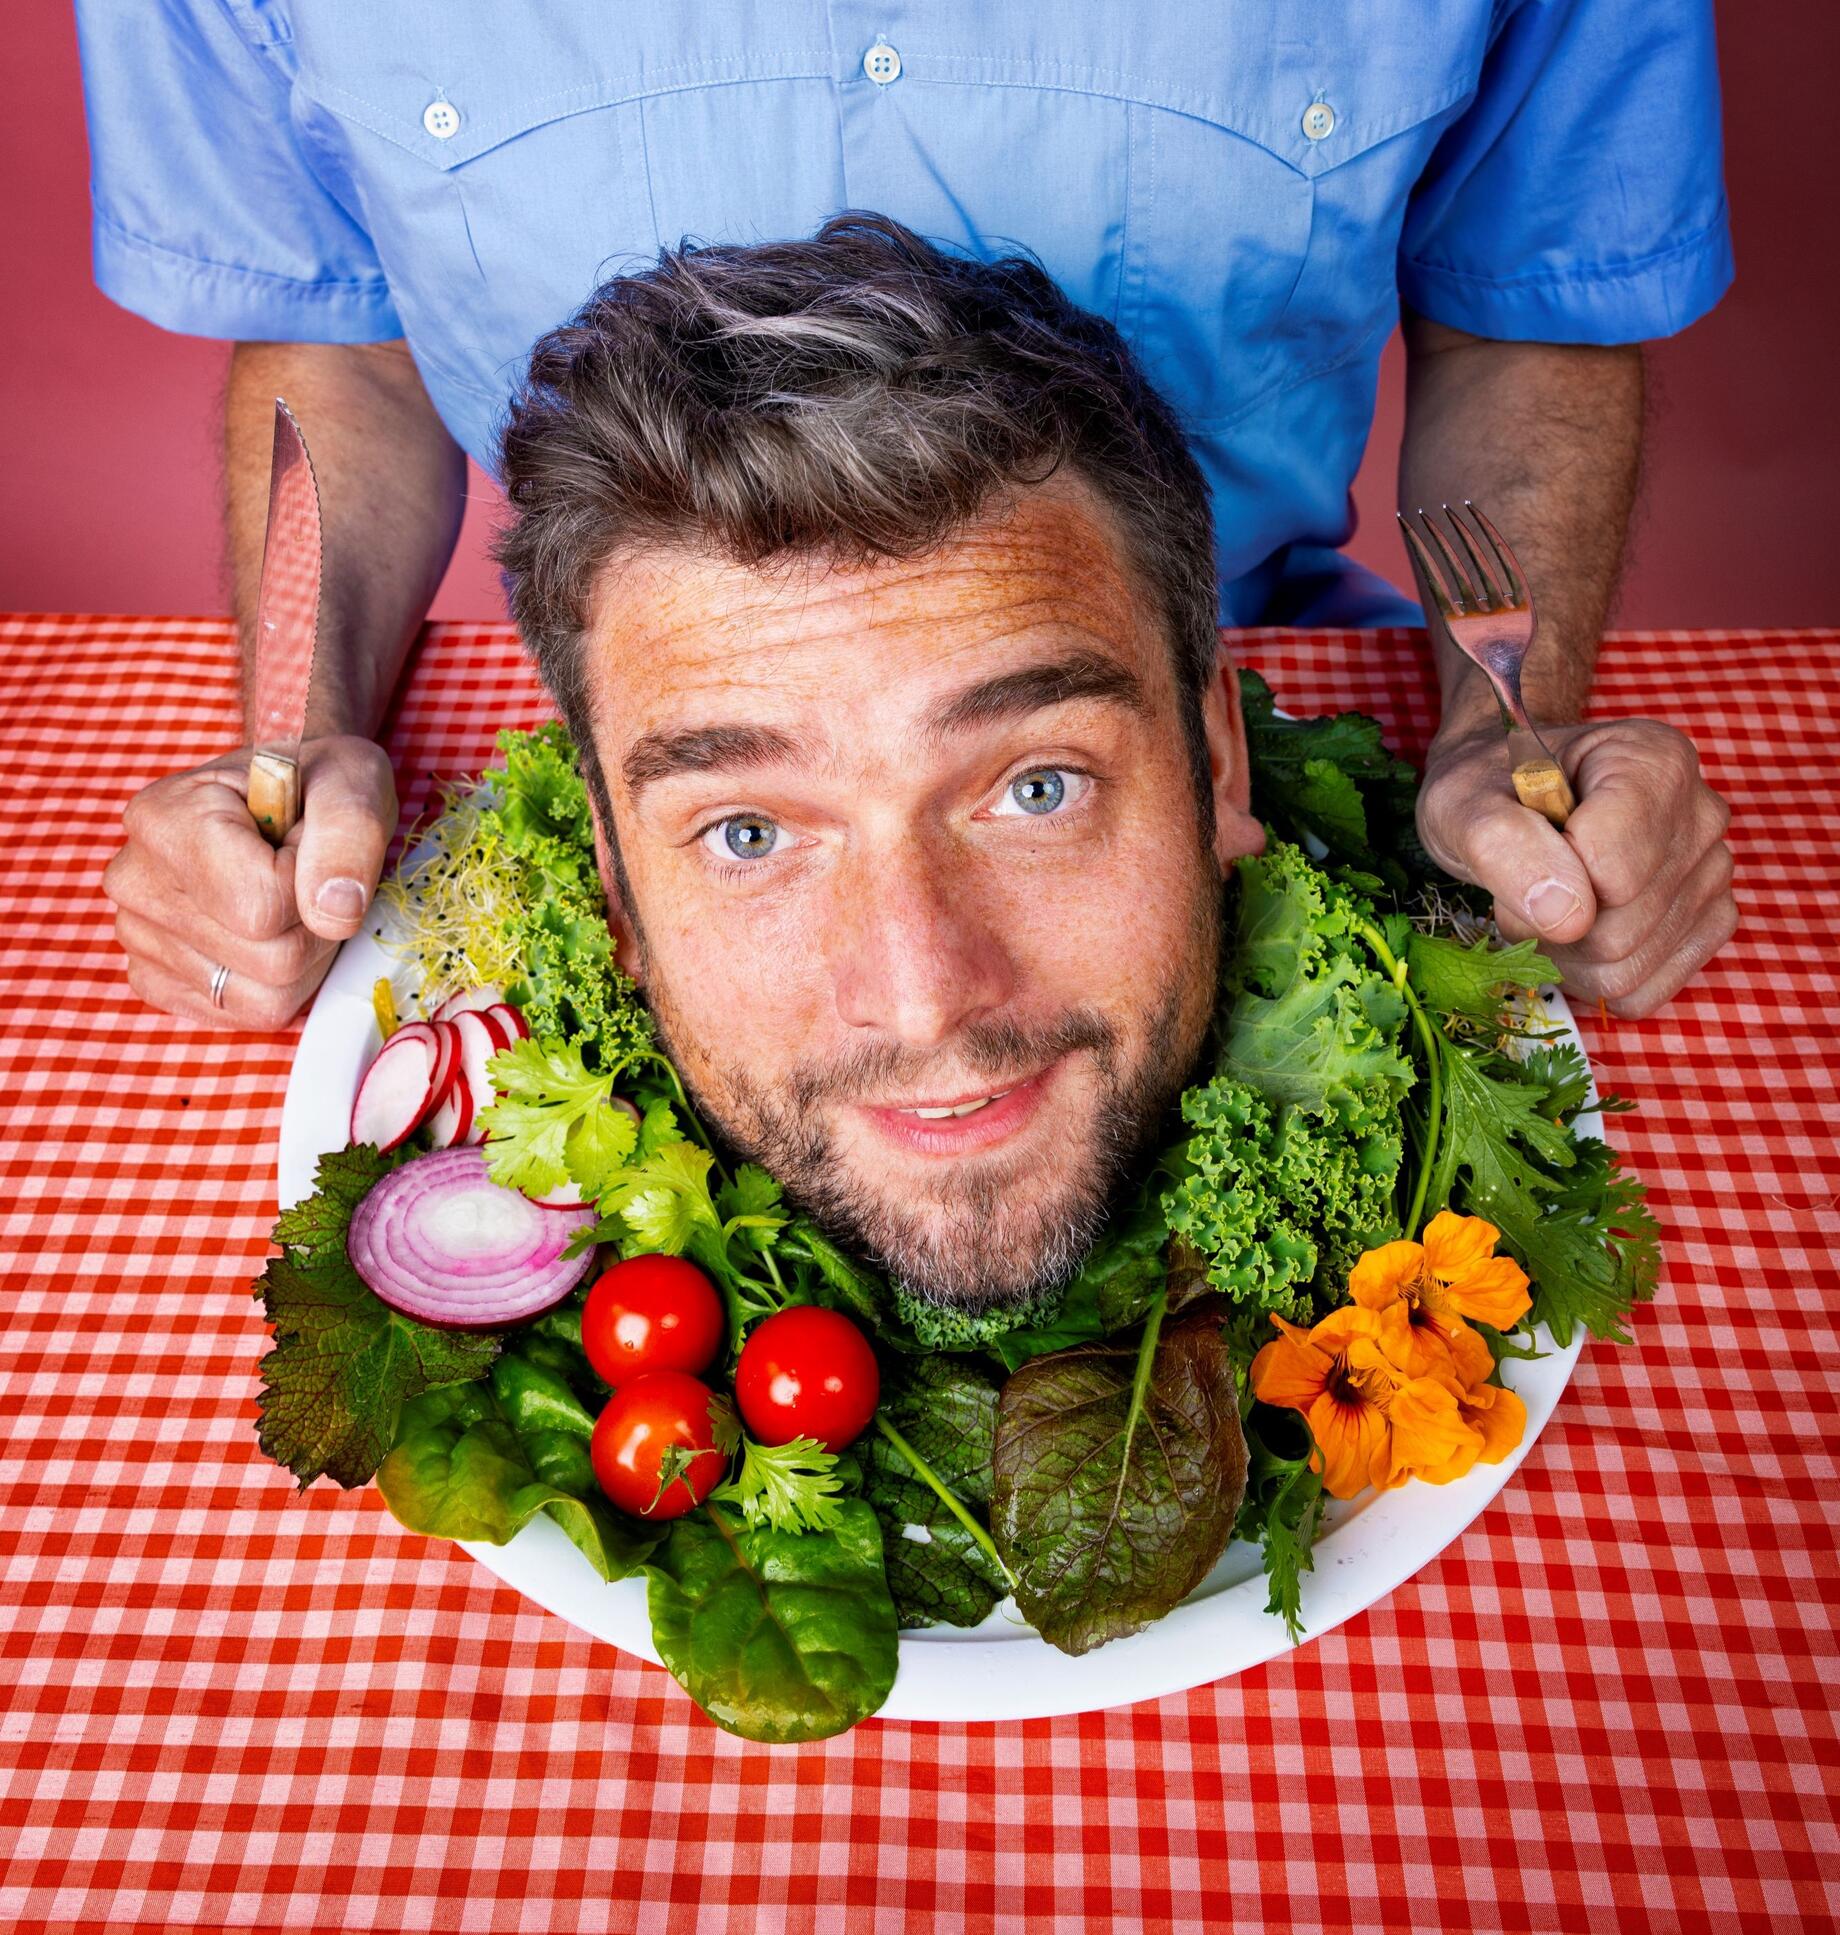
[[993, 1231]]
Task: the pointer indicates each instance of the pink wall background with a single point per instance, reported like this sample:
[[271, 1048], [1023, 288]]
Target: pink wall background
[[108, 461]]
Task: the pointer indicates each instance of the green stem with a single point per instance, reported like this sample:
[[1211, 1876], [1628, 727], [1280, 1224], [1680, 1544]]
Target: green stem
[[1434, 1110], [946, 1496]]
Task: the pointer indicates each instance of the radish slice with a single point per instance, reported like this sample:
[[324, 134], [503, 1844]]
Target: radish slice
[[453, 1113], [520, 1028], [469, 998], [569, 1196], [440, 1241], [479, 1042], [448, 1067], [398, 1087]]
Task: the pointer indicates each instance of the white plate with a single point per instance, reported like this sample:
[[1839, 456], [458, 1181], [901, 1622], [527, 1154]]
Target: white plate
[[1000, 1670]]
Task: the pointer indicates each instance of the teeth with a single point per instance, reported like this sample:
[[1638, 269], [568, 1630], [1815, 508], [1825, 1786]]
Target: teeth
[[964, 1108]]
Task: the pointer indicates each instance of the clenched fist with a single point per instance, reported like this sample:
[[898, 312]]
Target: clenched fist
[[197, 885], [1633, 896]]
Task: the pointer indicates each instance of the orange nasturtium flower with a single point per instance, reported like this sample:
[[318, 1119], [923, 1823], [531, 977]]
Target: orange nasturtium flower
[[1396, 1384], [1453, 1274]]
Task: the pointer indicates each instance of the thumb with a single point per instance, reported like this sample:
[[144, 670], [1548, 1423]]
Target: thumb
[[1478, 830], [348, 812]]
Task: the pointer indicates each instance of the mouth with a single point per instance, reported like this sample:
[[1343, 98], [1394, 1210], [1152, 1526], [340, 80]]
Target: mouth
[[958, 1125]]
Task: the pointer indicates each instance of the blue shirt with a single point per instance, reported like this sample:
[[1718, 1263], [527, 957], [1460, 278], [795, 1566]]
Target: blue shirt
[[1246, 190]]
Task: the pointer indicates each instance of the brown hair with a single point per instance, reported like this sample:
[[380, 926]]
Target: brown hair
[[856, 396]]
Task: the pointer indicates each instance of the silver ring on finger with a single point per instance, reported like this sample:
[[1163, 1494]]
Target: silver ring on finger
[[217, 986]]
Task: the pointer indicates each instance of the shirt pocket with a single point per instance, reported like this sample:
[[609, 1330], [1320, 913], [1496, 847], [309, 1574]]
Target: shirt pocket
[[499, 197], [1269, 189]]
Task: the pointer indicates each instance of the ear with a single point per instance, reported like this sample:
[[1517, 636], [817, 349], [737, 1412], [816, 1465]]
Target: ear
[[626, 949], [1237, 830]]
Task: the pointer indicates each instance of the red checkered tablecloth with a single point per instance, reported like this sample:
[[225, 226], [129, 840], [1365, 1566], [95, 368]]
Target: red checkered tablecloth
[[1610, 1705]]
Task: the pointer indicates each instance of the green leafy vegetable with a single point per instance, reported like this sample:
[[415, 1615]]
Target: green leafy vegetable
[[554, 1121], [1117, 1476], [460, 1470], [569, 985], [1282, 1510], [777, 1636], [344, 1363], [932, 1326], [944, 1410], [792, 1487], [1334, 777], [1472, 982]]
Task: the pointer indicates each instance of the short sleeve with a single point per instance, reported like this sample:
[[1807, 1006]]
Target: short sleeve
[[1580, 198], [207, 216]]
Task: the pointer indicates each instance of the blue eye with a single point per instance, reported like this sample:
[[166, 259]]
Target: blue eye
[[745, 836], [1038, 792]]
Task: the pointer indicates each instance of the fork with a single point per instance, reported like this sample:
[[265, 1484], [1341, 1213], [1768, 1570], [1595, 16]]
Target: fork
[[1488, 612]]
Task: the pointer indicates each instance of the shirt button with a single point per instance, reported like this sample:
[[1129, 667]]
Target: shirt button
[[1318, 120], [882, 64], [441, 119]]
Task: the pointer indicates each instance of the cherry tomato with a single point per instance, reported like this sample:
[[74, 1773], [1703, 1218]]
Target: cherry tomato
[[807, 1373], [652, 1313], [654, 1418]]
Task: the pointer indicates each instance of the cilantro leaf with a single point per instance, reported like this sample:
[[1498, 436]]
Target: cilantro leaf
[[553, 1121], [665, 1199], [793, 1487]]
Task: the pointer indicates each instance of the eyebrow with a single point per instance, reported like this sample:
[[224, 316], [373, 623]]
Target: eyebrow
[[1009, 695], [1012, 695], [703, 749]]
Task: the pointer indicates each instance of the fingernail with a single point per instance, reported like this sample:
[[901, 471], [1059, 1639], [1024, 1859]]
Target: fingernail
[[341, 899], [1551, 904]]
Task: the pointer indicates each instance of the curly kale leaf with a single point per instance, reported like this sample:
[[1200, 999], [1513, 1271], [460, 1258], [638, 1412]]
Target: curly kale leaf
[[1312, 1022]]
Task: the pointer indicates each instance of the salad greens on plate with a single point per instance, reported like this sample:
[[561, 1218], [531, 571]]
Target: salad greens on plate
[[1382, 1108]]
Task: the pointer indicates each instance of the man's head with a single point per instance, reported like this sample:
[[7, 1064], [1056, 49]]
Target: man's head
[[876, 586]]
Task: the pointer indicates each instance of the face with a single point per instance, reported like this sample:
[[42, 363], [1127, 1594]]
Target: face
[[919, 895]]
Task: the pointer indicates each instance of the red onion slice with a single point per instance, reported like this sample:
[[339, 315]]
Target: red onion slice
[[440, 1241]]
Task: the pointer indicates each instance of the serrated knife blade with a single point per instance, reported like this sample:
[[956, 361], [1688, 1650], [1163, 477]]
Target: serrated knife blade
[[287, 627]]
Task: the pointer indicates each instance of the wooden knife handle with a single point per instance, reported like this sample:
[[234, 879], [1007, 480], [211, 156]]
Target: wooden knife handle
[[274, 795], [1542, 786]]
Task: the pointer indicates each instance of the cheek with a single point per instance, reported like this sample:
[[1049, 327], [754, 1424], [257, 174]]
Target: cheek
[[739, 987]]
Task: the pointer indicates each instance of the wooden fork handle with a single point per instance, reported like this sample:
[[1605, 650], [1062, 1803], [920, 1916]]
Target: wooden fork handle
[[1541, 785], [273, 795]]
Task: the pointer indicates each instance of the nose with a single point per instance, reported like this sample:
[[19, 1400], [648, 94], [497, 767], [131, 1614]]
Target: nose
[[913, 952]]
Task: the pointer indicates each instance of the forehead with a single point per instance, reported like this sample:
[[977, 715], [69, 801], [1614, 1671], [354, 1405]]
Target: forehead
[[672, 630]]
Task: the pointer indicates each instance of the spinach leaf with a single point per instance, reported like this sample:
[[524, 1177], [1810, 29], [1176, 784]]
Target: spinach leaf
[[946, 1410], [1117, 1475], [459, 1470], [777, 1636]]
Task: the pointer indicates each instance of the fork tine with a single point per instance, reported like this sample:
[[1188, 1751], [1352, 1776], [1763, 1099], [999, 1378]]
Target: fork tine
[[1434, 578], [1466, 597], [1510, 564], [1492, 597]]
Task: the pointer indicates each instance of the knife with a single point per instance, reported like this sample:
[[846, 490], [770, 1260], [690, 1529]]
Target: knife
[[287, 626]]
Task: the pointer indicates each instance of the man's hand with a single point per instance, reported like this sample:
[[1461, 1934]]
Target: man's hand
[[1633, 896], [197, 885]]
